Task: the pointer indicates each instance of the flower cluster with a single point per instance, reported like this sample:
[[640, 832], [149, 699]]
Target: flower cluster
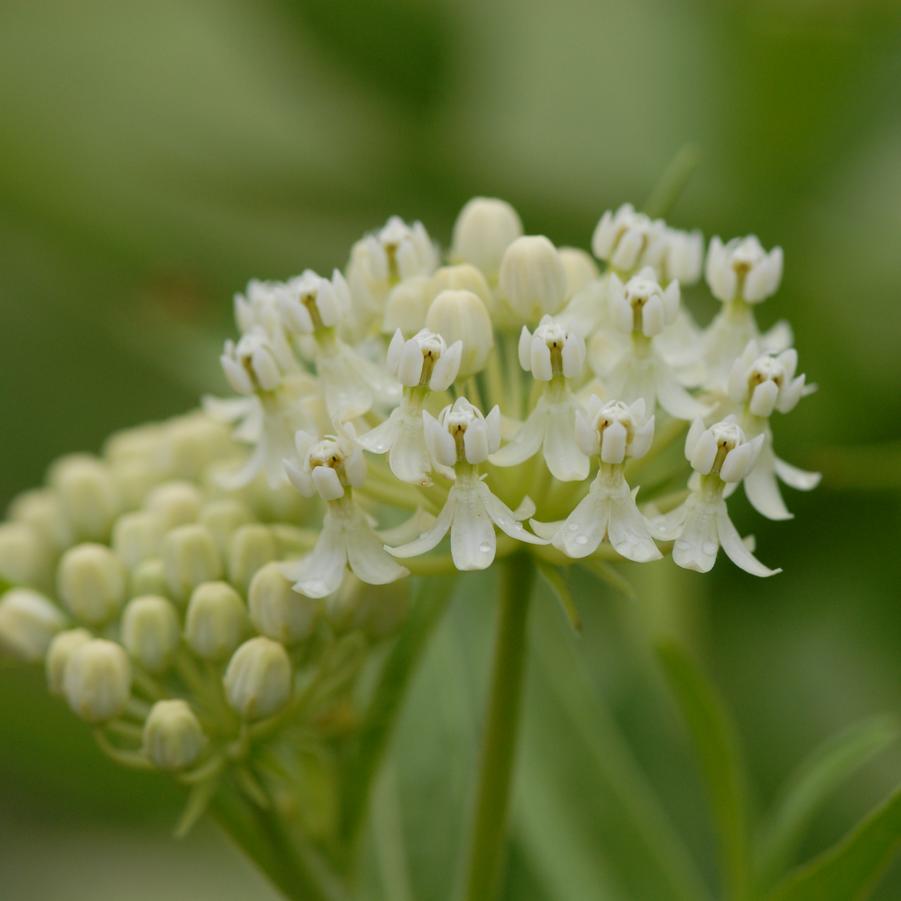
[[208, 582]]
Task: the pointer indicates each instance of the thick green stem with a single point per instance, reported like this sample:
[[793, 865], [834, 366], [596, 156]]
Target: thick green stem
[[488, 837]]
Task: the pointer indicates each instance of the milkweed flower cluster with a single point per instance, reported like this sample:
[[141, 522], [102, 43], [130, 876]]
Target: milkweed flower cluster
[[212, 581]]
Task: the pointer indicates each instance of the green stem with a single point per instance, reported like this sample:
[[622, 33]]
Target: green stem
[[489, 832]]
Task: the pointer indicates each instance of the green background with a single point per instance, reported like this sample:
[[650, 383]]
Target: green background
[[154, 156]]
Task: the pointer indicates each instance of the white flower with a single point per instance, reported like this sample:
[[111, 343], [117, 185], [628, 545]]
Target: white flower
[[614, 432], [762, 384], [257, 309], [743, 270], [719, 455], [532, 278], [331, 468], [552, 354], [484, 229], [644, 310], [422, 364], [459, 440], [627, 240], [682, 257], [308, 302]]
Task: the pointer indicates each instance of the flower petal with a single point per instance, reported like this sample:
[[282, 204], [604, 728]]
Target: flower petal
[[366, 554], [735, 548], [562, 453], [473, 543], [321, 571], [584, 528], [504, 518], [431, 538], [762, 489], [697, 545], [527, 441], [627, 530], [800, 479]]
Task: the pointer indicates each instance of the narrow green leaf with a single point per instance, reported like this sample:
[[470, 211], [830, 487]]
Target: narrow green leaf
[[673, 181], [849, 870], [553, 578], [608, 574], [716, 743], [805, 791]]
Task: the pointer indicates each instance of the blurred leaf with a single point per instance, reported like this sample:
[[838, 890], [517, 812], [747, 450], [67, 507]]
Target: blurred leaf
[[554, 579], [673, 182], [850, 869], [822, 773], [716, 744], [608, 574]]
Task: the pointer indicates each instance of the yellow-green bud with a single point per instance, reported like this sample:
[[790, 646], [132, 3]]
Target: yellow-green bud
[[251, 547], [532, 278], [28, 622], [222, 518], [42, 511], [406, 306], [189, 558], [485, 227], [216, 620], [88, 496], [173, 736], [258, 680], [97, 680], [24, 554], [279, 612], [176, 503], [150, 631], [137, 537], [580, 269], [59, 652], [462, 316], [148, 577], [192, 442], [134, 480], [91, 582], [462, 277]]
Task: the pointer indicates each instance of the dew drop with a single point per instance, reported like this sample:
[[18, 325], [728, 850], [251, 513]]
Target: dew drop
[[573, 527], [485, 547], [581, 539]]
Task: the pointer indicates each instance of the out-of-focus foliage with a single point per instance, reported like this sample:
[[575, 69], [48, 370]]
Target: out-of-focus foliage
[[153, 157]]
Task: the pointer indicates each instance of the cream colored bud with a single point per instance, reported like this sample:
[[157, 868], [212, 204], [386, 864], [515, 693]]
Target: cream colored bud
[[28, 622], [251, 547], [176, 503], [532, 279], [137, 537], [580, 269], [216, 620], [407, 305], [61, 648], [279, 612], [258, 679], [24, 554], [173, 736], [484, 229], [134, 480], [150, 631], [191, 443], [42, 511], [461, 316], [88, 496], [189, 558], [91, 582], [148, 577], [97, 680], [222, 518], [463, 277], [140, 444]]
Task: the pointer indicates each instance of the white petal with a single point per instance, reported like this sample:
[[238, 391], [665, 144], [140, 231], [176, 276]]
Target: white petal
[[236, 375], [792, 394], [628, 532], [438, 441], [526, 443], [409, 457], [762, 490], [574, 356], [473, 543], [613, 444], [586, 434], [525, 349], [327, 483], [546, 530], [447, 367], [475, 442], [735, 548], [739, 461], [355, 467], [525, 509], [493, 425], [380, 439], [431, 538], [366, 554], [504, 518], [697, 545], [299, 478], [625, 256], [409, 530], [562, 454], [320, 572], [671, 302], [584, 528], [642, 440], [800, 479], [695, 431], [674, 398]]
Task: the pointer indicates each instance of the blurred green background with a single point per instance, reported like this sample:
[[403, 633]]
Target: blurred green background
[[153, 157]]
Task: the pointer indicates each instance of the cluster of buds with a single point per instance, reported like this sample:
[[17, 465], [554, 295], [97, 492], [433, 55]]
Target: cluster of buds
[[188, 588]]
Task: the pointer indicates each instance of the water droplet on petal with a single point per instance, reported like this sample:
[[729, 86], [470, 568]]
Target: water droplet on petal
[[485, 547], [573, 527], [581, 539]]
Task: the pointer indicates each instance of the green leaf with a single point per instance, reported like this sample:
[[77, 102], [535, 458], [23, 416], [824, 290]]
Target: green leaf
[[716, 743], [554, 579], [672, 183], [849, 870], [604, 572], [804, 792]]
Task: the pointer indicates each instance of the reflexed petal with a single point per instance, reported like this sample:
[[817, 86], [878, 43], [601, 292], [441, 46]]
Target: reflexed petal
[[800, 479], [409, 530], [432, 537], [473, 543], [504, 518], [762, 489], [320, 572], [627, 530], [584, 528], [366, 554], [409, 457], [381, 439], [735, 548], [674, 398], [562, 454], [697, 545], [526, 443], [546, 530]]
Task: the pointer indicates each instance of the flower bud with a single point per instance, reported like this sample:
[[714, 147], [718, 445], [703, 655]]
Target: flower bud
[[258, 679], [24, 554], [148, 577], [91, 581], [463, 277], [137, 537], [250, 547], [88, 496], [682, 259], [133, 480], [175, 503], [222, 518], [279, 612], [61, 648], [189, 558], [579, 267], [461, 316], [407, 305], [192, 442], [485, 227], [97, 680], [42, 511], [173, 736], [28, 622], [150, 631], [532, 279], [216, 620]]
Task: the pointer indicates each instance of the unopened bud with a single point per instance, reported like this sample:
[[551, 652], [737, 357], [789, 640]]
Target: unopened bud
[[533, 279], [484, 229], [28, 622], [258, 679], [192, 442], [42, 511], [88, 496], [251, 547], [91, 582], [407, 305], [137, 537], [97, 680], [148, 577], [463, 277], [150, 631], [461, 316], [173, 736], [580, 269], [24, 554], [176, 503], [222, 518], [61, 648], [189, 558], [279, 612], [216, 620]]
